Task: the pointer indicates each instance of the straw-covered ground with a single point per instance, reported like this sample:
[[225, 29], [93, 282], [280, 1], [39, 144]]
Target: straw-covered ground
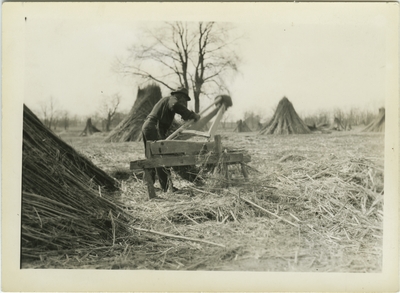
[[313, 202]]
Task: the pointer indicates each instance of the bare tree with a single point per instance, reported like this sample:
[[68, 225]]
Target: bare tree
[[199, 56], [108, 108], [49, 111], [65, 119]]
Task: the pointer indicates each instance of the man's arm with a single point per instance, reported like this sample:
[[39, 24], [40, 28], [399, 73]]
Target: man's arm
[[182, 110]]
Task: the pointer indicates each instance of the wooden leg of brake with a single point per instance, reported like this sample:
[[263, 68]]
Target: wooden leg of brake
[[150, 184], [226, 174], [244, 171]]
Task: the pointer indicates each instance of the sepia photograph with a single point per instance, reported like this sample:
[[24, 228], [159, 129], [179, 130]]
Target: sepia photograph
[[200, 146]]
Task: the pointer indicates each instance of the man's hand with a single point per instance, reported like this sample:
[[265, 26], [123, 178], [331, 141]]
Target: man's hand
[[196, 117]]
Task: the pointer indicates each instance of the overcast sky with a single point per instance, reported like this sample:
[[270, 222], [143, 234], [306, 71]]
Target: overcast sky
[[320, 56]]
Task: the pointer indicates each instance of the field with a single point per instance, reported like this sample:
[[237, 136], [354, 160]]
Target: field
[[312, 203]]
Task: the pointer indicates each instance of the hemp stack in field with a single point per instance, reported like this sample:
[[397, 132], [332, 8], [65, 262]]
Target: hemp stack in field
[[285, 120], [130, 129], [67, 202], [241, 126], [378, 124], [89, 128], [337, 125]]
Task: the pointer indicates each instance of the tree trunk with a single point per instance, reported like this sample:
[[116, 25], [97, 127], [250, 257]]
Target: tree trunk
[[108, 124], [196, 100], [66, 123], [197, 104]]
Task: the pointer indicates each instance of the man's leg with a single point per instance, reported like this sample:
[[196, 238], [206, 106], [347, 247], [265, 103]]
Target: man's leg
[[163, 175], [150, 133], [147, 134]]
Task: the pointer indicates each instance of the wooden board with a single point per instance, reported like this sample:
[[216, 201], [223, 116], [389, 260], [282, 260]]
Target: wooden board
[[196, 132], [199, 125], [165, 147], [186, 160], [214, 126]]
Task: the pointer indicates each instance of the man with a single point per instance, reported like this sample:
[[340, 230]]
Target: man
[[159, 121]]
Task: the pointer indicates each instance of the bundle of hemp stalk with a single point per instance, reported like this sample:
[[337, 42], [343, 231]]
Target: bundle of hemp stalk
[[67, 202]]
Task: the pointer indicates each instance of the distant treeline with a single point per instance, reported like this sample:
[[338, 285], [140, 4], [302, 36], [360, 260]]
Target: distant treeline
[[64, 122], [353, 117]]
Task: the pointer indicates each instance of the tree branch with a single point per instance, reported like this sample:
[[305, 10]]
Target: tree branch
[[197, 55]]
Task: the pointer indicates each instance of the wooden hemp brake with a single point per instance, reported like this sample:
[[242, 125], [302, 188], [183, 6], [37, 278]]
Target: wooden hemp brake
[[170, 153]]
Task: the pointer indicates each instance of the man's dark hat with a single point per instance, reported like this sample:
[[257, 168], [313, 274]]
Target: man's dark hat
[[182, 90]]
